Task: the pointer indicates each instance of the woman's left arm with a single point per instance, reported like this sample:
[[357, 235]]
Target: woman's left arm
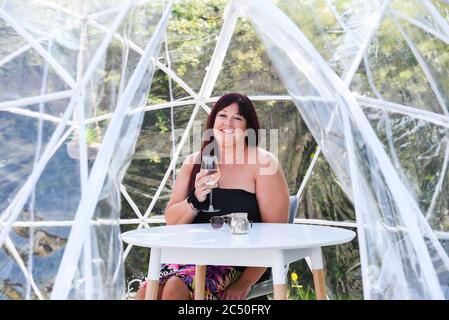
[[273, 200], [271, 190]]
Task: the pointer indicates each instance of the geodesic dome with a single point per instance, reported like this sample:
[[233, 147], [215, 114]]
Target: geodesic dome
[[100, 100]]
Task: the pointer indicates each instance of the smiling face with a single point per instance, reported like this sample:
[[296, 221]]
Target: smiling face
[[229, 126]]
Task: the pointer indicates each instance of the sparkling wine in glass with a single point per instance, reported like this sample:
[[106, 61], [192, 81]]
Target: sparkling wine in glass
[[210, 165]]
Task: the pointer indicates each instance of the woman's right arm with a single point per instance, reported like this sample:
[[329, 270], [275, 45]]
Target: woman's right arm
[[178, 210]]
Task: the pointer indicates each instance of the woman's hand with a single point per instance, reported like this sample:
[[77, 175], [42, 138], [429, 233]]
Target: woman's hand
[[202, 188], [237, 290]]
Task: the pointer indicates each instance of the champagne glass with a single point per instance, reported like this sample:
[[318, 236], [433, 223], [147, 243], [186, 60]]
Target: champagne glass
[[210, 164]]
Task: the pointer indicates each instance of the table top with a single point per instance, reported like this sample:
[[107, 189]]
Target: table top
[[261, 236]]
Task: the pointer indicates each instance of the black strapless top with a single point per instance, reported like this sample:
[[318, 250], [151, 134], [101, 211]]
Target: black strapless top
[[228, 201]]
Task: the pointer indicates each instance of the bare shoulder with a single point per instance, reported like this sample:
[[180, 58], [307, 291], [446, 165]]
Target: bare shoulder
[[266, 163], [191, 159], [189, 162], [265, 157]]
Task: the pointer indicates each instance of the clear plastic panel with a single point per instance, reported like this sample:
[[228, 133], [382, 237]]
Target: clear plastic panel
[[336, 28], [396, 256], [396, 242], [420, 154], [22, 138], [191, 38], [52, 161], [153, 155], [246, 67], [11, 44], [53, 27], [323, 198], [412, 80], [28, 75], [47, 243], [428, 13]]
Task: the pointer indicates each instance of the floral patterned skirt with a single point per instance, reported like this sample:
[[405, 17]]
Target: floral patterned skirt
[[217, 278]]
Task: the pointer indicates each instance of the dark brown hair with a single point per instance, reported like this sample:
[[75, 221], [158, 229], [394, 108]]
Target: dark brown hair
[[246, 110]]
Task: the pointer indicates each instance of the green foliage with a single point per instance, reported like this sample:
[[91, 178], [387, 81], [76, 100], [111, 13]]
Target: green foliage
[[152, 156], [92, 134], [162, 122], [298, 291]]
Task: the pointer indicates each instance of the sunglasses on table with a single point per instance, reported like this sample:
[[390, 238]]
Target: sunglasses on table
[[218, 221]]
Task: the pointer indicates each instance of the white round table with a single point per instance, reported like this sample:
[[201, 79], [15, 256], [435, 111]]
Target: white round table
[[266, 245]]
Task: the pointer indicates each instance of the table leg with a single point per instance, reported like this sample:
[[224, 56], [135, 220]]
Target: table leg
[[318, 274], [151, 290], [280, 292], [200, 282], [320, 284], [153, 274], [279, 286]]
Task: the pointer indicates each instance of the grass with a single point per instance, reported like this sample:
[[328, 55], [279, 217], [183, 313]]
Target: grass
[[297, 291]]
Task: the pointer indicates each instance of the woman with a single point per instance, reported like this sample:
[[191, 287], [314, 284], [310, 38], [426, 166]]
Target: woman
[[249, 175]]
